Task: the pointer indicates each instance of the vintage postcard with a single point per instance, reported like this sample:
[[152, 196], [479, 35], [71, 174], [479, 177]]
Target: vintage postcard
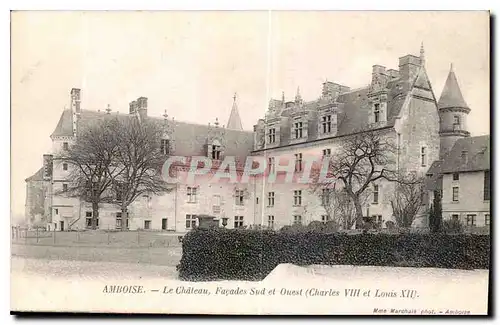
[[250, 162]]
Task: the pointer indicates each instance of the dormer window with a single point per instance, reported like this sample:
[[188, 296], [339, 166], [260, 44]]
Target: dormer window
[[216, 152], [465, 157], [298, 128], [271, 137], [326, 122], [376, 112], [165, 146]]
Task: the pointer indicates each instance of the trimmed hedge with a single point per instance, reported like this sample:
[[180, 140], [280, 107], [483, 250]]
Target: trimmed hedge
[[220, 254]]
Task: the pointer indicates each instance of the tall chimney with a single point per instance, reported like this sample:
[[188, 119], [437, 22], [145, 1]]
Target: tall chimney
[[75, 100], [47, 167], [142, 107], [132, 107], [379, 77], [408, 67]]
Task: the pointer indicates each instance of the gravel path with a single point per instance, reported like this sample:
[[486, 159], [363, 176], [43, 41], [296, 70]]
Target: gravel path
[[84, 270]]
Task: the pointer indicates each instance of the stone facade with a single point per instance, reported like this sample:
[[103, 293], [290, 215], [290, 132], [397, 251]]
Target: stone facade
[[398, 103]]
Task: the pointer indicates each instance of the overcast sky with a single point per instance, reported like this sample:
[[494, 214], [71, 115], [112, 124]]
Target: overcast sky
[[191, 63]]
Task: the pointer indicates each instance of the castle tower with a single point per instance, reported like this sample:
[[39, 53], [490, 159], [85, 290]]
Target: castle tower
[[234, 122], [453, 111]]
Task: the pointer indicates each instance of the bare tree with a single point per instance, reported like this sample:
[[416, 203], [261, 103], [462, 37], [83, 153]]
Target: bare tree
[[91, 159], [340, 207], [407, 200], [363, 159], [141, 158]]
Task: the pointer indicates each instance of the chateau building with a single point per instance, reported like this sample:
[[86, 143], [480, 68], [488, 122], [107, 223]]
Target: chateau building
[[400, 104]]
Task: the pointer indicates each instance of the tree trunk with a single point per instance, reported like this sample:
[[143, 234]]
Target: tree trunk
[[359, 212], [95, 215], [124, 218]]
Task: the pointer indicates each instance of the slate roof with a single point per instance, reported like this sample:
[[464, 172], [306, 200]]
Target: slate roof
[[478, 155], [433, 176], [451, 95], [189, 138], [354, 112], [38, 176]]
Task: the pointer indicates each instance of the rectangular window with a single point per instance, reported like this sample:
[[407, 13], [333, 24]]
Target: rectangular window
[[238, 221], [456, 176], [88, 220], [270, 199], [270, 222], [327, 152], [454, 217], [239, 197], [325, 197], [486, 219], [216, 152], [65, 187], [455, 194], [298, 162], [487, 189], [190, 221], [147, 224], [56, 211], [423, 156], [471, 220], [326, 122], [65, 146], [191, 193], [456, 122], [164, 224], [376, 112], [216, 204], [118, 222], [377, 219], [270, 162], [165, 146], [325, 218], [297, 220], [298, 129], [375, 194], [65, 166], [271, 136], [297, 198]]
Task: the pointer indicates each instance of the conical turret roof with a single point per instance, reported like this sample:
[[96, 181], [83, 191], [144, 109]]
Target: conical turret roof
[[234, 122], [451, 95]]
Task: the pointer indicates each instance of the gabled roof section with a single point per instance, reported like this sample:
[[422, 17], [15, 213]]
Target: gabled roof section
[[38, 176], [451, 95], [433, 176], [422, 80], [64, 126], [477, 151]]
